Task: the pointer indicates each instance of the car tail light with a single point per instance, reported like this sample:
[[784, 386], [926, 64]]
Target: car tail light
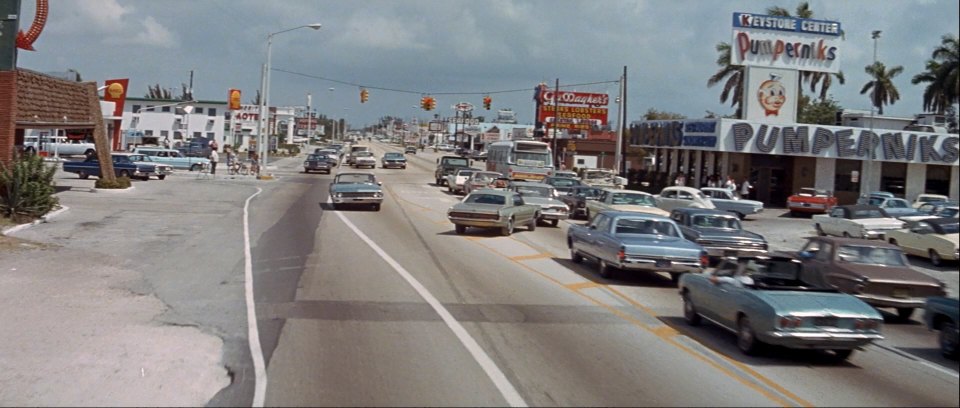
[[622, 254], [704, 260], [866, 324], [790, 322]]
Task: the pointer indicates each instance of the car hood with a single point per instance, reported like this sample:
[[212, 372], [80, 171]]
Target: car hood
[[395, 158], [727, 234], [354, 188], [879, 222], [751, 203], [640, 208], [950, 238], [904, 275], [786, 302]]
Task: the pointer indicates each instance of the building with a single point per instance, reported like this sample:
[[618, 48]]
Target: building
[[780, 159], [157, 121]]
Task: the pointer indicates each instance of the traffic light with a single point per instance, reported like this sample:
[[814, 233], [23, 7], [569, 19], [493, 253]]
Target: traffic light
[[364, 95], [486, 102], [433, 103], [428, 103]]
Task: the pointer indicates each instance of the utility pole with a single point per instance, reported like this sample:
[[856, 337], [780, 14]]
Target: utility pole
[[556, 117], [618, 157], [868, 172]]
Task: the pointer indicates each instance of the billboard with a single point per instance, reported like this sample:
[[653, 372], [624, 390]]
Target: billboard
[[786, 42], [573, 110], [771, 95]]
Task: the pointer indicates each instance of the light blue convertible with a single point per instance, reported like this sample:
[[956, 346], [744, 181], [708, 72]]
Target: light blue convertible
[[173, 158], [763, 300]]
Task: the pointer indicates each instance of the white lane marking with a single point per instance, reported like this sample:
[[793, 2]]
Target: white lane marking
[[253, 334], [918, 359], [500, 380]]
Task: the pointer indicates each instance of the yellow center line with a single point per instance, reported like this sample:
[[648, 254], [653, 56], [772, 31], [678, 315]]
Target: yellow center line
[[519, 258], [581, 285]]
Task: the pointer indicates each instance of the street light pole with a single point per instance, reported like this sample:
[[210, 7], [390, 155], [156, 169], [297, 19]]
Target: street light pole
[[868, 174], [266, 92]]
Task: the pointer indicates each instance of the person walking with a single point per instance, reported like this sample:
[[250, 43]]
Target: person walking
[[745, 188], [730, 184], [214, 158]]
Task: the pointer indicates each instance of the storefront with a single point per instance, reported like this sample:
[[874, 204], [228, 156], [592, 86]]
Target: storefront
[[778, 160]]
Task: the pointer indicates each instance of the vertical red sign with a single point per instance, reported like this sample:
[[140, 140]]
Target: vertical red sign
[[117, 93]]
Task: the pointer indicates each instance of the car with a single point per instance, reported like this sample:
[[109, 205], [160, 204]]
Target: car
[[173, 158], [933, 238], [623, 200], [811, 201], [576, 199], [393, 160], [604, 178], [446, 148], [318, 162], [764, 300], [356, 188], [479, 156], [410, 150], [933, 208], [874, 271], [942, 314], [566, 174], [148, 167], [545, 196], [680, 196], [332, 154], [496, 209], [718, 232], [562, 184], [447, 165], [724, 199], [455, 180], [928, 198], [895, 207], [479, 180], [858, 221], [865, 198], [122, 167], [632, 241], [363, 159], [949, 212]]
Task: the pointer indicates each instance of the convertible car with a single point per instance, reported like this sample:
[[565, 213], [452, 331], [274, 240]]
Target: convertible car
[[764, 301]]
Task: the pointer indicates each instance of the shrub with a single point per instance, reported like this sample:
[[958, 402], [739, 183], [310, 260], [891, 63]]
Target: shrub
[[27, 188], [122, 182]]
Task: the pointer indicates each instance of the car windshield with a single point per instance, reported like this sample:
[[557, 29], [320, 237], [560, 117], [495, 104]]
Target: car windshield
[[868, 213], [534, 191], [949, 212], [393, 156], [646, 226], [633, 199], [139, 157], [871, 255], [479, 198], [951, 228], [363, 154], [464, 173], [716, 221], [354, 179], [485, 176], [314, 157]]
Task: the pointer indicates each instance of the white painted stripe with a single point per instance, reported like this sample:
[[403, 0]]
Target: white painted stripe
[[500, 380], [918, 359], [253, 334]]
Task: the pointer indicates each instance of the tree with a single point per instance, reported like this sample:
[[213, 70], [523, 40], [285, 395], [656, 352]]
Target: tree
[[732, 78], [882, 90], [817, 112], [186, 94], [653, 114], [256, 99], [942, 76], [158, 92]]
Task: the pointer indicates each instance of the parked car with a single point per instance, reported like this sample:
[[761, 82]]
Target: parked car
[[410, 150], [566, 174], [934, 238], [499, 209], [865, 198], [149, 167], [623, 200], [393, 160], [934, 207], [631, 241], [479, 180], [724, 199], [928, 198], [173, 158], [718, 232], [874, 271], [562, 184], [356, 188], [679, 196], [455, 180], [858, 221], [122, 167], [895, 207], [318, 162], [363, 159], [545, 196], [941, 314], [764, 300], [576, 199], [811, 201]]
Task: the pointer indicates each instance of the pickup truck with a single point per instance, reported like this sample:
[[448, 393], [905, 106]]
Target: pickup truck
[[123, 166], [448, 165]]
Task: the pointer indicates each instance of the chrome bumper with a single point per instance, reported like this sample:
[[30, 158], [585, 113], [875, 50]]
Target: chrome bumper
[[471, 222], [649, 264], [723, 252], [357, 200], [885, 301], [820, 340]]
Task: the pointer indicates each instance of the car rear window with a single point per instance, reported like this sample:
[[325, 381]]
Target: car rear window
[[486, 199]]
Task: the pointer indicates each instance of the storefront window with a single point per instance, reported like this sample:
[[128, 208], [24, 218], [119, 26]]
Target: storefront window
[[938, 179], [848, 175], [893, 178]]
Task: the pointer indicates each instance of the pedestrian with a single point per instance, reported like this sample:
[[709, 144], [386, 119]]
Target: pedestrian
[[730, 184], [681, 180], [214, 158], [166, 143], [745, 188]]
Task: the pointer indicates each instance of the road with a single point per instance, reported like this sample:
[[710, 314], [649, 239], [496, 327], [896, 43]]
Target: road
[[341, 321]]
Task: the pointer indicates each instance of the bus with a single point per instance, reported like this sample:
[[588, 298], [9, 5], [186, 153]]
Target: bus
[[520, 159]]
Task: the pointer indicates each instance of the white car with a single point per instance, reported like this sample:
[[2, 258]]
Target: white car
[[611, 199], [857, 221], [926, 198], [933, 238], [364, 159], [456, 180], [679, 197]]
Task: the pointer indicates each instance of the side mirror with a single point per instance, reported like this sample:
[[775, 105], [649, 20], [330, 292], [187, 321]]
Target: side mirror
[[805, 254], [593, 226], [379, 183]]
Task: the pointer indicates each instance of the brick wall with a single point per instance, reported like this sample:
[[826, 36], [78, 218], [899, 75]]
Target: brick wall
[[8, 98]]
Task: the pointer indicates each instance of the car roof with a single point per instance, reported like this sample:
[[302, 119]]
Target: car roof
[[493, 192], [854, 241], [681, 188], [635, 214], [691, 210], [623, 190]]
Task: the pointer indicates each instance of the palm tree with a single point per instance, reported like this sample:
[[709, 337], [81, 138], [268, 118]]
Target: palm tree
[[942, 76], [824, 79], [734, 79], [882, 90]]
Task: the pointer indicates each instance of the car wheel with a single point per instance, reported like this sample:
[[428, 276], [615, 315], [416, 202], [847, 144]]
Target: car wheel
[[605, 271], [460, 229], [575, 256], [846, 234], [508, 229], [935, 258], [554, 223], [532, 226], [893, 241], [449, 189], [690, 311], [842, 354], [904, 313], [195, 167], [82, 174], [948, 341], [820, 231], [746, 338], [124, 173], [161, 177]]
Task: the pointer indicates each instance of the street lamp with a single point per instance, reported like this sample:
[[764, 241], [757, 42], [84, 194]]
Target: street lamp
[[264, 138], [868, 174]]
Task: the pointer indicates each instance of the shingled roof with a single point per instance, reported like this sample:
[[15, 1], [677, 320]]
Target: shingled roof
[[44, 101]]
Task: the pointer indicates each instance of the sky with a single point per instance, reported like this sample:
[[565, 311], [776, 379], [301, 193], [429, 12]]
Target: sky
[[458, 50]]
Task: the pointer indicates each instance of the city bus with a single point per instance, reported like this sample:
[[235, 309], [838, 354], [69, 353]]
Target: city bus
[[520, 159]]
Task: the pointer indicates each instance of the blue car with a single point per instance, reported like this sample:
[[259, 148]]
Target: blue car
[[764, 300]]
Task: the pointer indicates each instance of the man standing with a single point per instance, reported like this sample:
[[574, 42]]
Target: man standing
[[214, 158], [745, 188]]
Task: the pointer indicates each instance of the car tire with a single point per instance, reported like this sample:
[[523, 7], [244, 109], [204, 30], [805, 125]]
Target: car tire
[[740, 215], [82, 174], [842, 355], [195, 167], [690, 313], [124, 173], [460, 229], [820, 231], [554, 223], [892, 241], [376, 207], [746, 338], [508, 229], [935, 258], [604, 270], [904, 313], [846, 234], [575, 256], [161, 177], [532, 226], [948, 343], [675, 277]]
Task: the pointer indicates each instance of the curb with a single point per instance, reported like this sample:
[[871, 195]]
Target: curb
[[44, 218], [111, 190]]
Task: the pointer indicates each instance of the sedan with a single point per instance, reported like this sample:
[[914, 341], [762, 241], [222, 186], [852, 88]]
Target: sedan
[[934, 238], [318, 162], [393, 160], [858, 221], [764, 300], [497, 209], [545, 196], [356, 188]]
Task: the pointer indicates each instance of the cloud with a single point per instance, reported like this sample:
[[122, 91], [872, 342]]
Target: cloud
[[150, 33], [381, 32]]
